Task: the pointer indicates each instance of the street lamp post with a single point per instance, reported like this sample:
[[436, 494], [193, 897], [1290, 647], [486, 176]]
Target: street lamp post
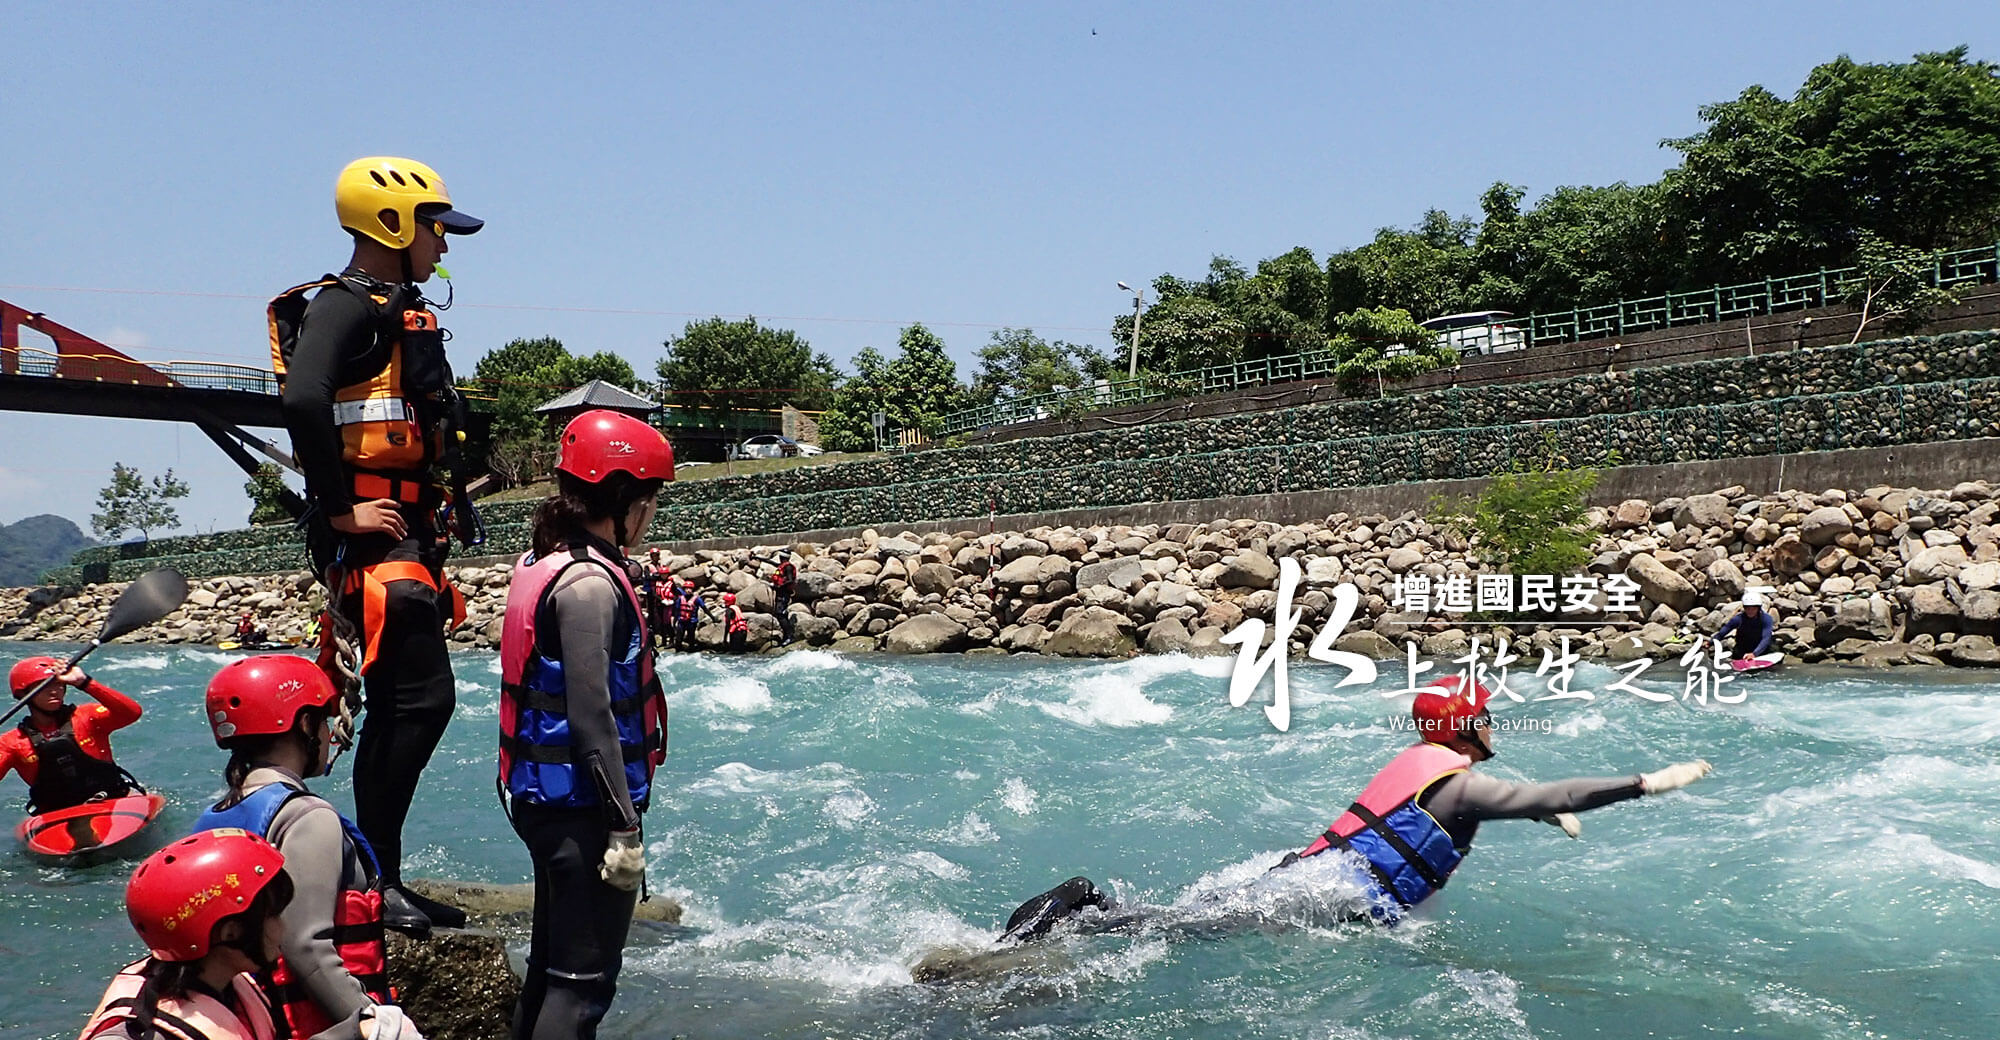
[[1138, 306]]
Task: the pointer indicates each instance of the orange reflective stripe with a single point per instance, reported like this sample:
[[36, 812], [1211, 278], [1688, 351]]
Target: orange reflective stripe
[[375, 600]]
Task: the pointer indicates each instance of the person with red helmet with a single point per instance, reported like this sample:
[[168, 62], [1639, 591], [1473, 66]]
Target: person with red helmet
[[63, 750], [272, 714], [207, 907], [690, 608], [1414, 822], [735, 624], [582, 717]]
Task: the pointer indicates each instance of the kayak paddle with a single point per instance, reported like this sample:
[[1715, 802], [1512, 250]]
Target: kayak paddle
[[151, 596]]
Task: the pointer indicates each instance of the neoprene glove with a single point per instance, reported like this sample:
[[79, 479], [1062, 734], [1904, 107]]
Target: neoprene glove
[[1567, 821], [624, 863], [387, 1022], [1674, 777]]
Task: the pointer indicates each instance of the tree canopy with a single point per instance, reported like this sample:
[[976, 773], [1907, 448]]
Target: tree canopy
[[130, 502], [721, 368]]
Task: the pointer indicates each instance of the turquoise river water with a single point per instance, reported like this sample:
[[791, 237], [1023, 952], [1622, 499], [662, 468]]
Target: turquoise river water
[[830, 820]]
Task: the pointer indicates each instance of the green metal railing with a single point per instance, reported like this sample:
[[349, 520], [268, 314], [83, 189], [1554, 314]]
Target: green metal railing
[[1699, 307]]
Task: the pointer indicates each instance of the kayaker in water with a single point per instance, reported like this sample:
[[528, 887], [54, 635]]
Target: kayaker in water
[[63, 750], [582, 719], [207, 908], [1415, 821], [271, 714], [1753, 626], [247, 632]]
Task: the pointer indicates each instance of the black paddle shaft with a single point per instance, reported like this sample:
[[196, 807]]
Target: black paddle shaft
[[151, 596]]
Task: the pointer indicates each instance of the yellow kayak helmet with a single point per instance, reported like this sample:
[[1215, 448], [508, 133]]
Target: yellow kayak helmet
[[368, 186]]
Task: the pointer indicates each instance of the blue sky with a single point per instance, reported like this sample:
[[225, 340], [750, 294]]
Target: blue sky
[[839, 169]]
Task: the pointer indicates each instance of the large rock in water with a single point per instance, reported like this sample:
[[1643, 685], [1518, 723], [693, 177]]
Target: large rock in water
[[1093, 632], [1168, 636], [926, 634], [1660, 583]]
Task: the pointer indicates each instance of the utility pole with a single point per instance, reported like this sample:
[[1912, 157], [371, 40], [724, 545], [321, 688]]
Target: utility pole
[[1138, 307]]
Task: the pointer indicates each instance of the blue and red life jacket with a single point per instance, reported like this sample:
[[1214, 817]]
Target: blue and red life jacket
[[357, 915], [537, 758], [1407, 852]]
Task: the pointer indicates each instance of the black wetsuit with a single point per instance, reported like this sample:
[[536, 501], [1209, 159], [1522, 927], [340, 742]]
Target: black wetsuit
[[409, 691]]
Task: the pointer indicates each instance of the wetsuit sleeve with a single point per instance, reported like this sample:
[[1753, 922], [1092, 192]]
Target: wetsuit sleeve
[[1729, 626], [334, 322], [587, 615], [1770, 628], [120, 711], [308, 832], [10, 754], [1474, 796]]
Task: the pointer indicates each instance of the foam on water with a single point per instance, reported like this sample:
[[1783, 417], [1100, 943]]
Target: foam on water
[[736, 694]]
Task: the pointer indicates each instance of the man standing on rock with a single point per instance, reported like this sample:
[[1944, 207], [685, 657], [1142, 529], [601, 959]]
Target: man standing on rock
[[369, 402]]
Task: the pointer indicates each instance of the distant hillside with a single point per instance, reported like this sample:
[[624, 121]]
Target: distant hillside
[[29, 547]]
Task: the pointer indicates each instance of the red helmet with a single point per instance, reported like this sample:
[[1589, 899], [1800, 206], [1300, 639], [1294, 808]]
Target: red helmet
[[180, 893], [261, 695], [599, 443], [31, 670], [729, 599], [1446, 709]]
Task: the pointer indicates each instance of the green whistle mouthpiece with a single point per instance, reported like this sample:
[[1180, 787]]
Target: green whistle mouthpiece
[[442, 272]]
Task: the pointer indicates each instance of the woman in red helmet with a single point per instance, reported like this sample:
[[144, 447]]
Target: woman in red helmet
[[582, 718], [63, 750], [271, 714], [207, 908], [1416, 819]]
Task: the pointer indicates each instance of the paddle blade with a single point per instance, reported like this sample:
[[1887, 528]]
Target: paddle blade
[[150, 597]]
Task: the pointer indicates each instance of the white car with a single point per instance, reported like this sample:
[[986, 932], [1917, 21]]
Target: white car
[[1479, 332], [774, 446]]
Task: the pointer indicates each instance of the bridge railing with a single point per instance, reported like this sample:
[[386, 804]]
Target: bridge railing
[[200, 375], [1820, 288]]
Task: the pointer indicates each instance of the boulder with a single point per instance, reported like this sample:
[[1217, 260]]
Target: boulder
[[1979, 576], [1932, 612], [926, 634], [1631, 513], [1168, 636], [1934, 564], [1660, 583], [1372, 645], [1021, 571], [1725, 580], [1121, 573], [1249, 570], [1870, 619], [1022, 638], [1973, 651], [1981, 612], [1053, 568], [1704, 511], [811, 586], [1790, 556], [1174, 594], [1401, 560], [1093, 632], [934, 579], [854, 644], [1823, 525], [1324, 570], [1208, 642]]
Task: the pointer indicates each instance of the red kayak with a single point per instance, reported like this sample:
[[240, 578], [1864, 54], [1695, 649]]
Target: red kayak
[[90, 827]]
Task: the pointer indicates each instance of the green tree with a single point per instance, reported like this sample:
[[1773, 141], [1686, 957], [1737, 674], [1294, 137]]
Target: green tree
[[132, 503], [514, 380], [1374, 345], [1529, 521], [1908, 152], [1892, 286], [266, 489], [916, 390], [723, 369], [1018, 362]]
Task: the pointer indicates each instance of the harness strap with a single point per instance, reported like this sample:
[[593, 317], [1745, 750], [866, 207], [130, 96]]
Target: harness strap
[[177, 1024], [528, 699], [374, 582], [561, 754]]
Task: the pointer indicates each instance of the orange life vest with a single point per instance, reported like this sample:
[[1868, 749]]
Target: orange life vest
[[196, 1016], [391, 423]]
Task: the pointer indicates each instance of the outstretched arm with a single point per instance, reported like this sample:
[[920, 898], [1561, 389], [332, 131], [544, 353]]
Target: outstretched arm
[[1479, 797]]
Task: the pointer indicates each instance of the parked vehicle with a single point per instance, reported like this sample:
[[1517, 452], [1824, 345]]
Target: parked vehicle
[[774, 446], [1479, 332]]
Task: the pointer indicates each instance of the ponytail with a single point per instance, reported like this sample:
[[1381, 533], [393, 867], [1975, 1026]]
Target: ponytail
[[561, 519]]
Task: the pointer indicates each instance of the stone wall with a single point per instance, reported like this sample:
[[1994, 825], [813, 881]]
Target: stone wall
[[1890, 392]]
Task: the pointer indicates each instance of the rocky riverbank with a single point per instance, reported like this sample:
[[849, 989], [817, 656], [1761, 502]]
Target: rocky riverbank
[[1877, 576]]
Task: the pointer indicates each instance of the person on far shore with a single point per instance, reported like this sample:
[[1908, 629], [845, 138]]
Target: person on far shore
[[1753, 626]]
